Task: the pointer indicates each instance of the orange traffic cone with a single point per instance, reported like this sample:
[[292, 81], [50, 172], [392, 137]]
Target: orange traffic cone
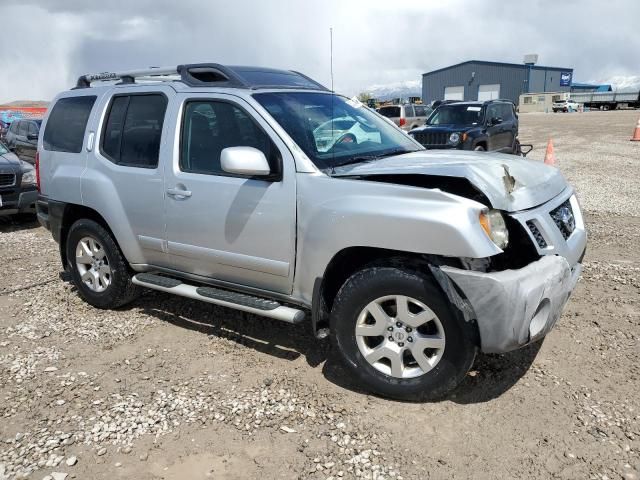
[[636, 133], [549, 156]]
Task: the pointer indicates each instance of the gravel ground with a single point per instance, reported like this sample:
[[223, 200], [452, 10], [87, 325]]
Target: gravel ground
[[173, 389]]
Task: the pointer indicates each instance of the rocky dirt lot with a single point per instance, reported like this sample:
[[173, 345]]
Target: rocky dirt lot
[[173, 389]]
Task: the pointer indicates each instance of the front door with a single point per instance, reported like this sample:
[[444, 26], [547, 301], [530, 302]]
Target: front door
[[222, 226]]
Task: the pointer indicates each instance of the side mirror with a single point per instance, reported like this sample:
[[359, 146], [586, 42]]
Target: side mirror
[[246, 161], [32, 136], [495, 121]]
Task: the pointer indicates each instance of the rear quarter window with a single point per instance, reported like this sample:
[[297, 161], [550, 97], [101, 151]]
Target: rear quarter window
[[390, 112], [66, 125]]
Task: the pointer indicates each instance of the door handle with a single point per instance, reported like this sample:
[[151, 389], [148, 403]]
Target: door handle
[[179, 192]]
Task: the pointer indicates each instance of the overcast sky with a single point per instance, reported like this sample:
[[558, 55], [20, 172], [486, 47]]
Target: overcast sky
[[46, 44]]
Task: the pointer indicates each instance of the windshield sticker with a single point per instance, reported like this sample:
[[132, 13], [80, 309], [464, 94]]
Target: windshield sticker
[[355, 103], [473, 109]]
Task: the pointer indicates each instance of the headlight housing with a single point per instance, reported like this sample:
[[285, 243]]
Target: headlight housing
[[457, 138], [28, 178], [495, 227]]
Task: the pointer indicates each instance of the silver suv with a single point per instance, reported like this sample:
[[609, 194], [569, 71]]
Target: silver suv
[[407, 116], [217, 183]]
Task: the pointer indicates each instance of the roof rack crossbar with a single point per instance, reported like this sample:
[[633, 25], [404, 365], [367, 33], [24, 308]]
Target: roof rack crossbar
[[128, 76]]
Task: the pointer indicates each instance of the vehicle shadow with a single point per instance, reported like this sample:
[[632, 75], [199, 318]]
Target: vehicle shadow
[[494, 374], [491, 376], [262, 334], [16, 223]]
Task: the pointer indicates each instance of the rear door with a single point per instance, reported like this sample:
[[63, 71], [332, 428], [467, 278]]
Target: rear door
[[510, 126], [19, 137], [31, 144], [124, 181], [231, 228]]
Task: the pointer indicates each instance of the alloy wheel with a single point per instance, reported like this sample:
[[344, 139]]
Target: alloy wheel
[[400, 336], [93, 265]]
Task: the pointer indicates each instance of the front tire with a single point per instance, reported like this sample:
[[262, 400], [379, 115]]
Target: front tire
[[479, 148], [99, 270], [397, 333]]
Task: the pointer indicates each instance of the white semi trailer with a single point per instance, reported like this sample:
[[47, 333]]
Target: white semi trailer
[[608, 100]]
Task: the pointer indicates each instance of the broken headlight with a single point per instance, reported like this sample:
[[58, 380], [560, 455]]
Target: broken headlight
[[495, 227]]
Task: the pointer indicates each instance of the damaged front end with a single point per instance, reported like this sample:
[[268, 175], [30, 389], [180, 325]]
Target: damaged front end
[[517, 296]]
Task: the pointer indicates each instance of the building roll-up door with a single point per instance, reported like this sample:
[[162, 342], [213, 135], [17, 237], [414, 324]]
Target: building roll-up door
[[488, 92], [454, 93]]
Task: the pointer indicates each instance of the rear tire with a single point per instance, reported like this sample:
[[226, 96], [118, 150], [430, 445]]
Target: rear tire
[[98, 268], [440, 368]]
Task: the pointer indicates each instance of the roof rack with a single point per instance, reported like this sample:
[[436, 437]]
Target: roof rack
[[194, 75]]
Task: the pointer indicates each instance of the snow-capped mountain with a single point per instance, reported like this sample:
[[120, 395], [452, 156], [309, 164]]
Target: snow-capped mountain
[[406, 89]]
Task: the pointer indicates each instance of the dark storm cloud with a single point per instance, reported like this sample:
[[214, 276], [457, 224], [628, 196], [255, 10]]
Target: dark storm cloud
[[375, 42]]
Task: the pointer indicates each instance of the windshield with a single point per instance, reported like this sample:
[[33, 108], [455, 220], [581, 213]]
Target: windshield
[[456, 115], [333, 130]]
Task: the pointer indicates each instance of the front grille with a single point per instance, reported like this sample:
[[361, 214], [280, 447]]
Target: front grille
[[7, 179], [563, 218], [542, 243], [429, 139]]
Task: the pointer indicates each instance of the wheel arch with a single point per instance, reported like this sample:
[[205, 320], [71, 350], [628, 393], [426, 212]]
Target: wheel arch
[[481, 142], [350, 260], [71, 214]]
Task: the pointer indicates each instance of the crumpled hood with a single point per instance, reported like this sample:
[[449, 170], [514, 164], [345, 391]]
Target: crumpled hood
[[509, 182]]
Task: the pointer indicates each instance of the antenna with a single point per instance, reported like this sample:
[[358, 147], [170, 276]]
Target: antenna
[[331, 54], [333, 95]]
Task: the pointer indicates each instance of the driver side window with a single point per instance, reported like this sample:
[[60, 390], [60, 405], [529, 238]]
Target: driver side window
[[492, 112], [208, 127]]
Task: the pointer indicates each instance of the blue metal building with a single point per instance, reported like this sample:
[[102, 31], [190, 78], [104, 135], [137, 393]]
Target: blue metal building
[[480, 80]]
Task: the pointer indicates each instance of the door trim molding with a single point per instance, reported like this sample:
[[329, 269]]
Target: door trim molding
[[237, 260]]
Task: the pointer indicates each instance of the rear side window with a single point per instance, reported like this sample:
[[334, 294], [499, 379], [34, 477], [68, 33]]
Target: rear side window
[[420, 110], [408, 111], [390, 112], [133, 130], [66, 125], [22, 129]]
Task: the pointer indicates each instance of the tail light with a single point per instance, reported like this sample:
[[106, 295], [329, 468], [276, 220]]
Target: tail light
[[403, 121], [38, 171]]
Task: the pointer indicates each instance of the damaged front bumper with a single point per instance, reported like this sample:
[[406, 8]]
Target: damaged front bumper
[[514, 307]]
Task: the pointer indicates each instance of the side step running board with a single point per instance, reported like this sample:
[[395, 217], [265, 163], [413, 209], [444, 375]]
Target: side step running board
[[225, 298]]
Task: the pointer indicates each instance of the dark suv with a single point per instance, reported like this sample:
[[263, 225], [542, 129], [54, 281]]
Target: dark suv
[[22, 139], [18, 192], [490, 125]]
